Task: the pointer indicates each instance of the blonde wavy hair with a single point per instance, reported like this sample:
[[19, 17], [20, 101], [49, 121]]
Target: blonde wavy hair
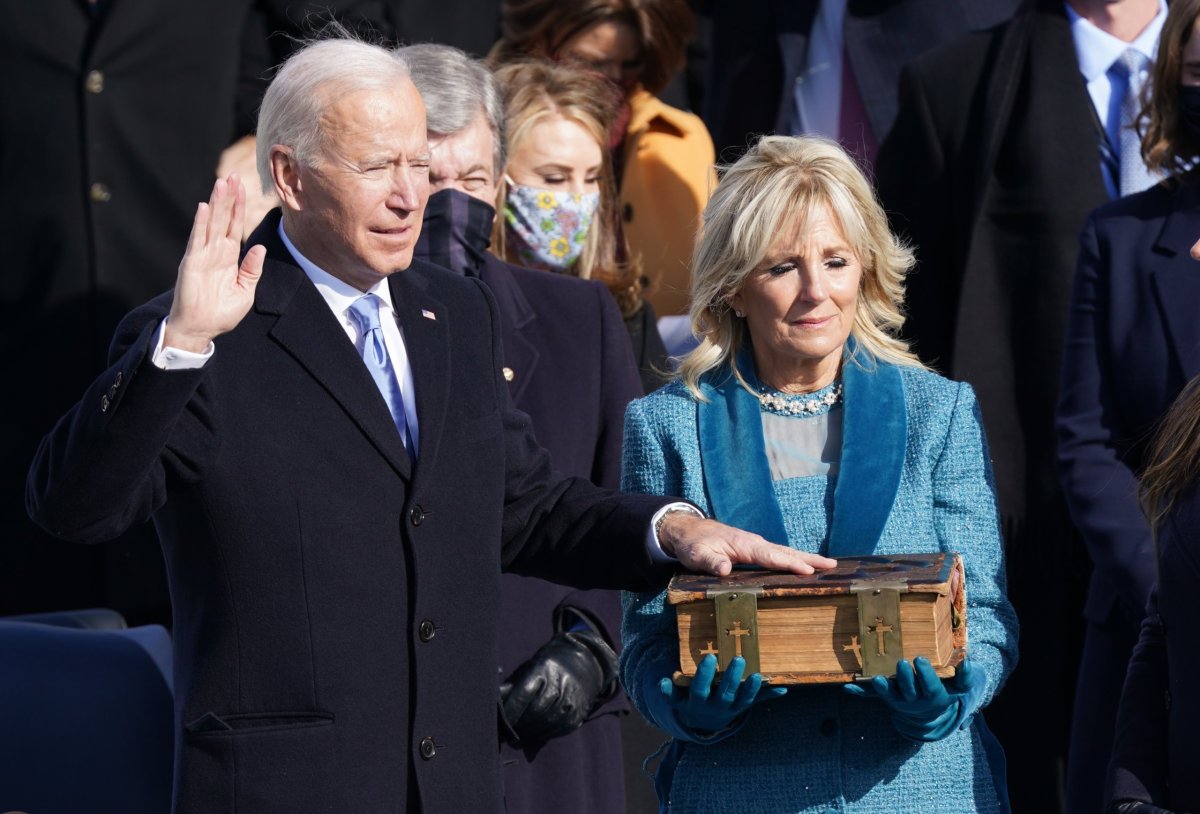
[[775, 189]]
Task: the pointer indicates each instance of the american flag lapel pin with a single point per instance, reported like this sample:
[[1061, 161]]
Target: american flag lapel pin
[[425, 312]]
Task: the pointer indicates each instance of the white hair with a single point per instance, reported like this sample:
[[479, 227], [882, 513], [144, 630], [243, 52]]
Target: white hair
[[308, 82], [456, 88]]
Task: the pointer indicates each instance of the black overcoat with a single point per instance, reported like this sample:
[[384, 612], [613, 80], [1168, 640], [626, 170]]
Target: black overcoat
[[335, 625]]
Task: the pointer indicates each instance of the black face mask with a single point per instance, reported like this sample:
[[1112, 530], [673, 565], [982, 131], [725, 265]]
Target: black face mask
[[456, 231], [1189, 109]]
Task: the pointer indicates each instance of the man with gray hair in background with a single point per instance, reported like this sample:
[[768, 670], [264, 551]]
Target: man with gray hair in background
[[569, 366], [320, 429]]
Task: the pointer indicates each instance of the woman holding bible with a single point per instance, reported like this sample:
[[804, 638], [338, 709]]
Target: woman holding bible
[[801, 416]]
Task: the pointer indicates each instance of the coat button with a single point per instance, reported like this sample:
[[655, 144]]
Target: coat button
[[104, 404], [426, 630], [428, 748], [829, 727], [94, 83], [100, 193], [416, 515], [117, 381]]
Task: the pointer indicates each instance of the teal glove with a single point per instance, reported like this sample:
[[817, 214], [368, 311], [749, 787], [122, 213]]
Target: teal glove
[[697, 713], [923, 708]]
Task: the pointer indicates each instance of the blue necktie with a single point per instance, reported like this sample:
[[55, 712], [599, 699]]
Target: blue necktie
[[365, 313], [1131, 67]]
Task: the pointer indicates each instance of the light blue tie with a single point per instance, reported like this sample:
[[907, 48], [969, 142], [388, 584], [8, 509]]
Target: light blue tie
[[1131, 67], [365, 313]]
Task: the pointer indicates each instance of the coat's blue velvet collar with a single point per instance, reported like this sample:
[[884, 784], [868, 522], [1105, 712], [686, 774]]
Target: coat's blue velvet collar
[[737, 475]]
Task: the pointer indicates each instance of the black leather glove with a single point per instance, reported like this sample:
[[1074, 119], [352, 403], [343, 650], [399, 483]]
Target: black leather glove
[[1134, 807], [552, 693]]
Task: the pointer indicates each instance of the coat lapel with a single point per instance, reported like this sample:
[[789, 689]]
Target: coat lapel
[[736, 474], [307, 329], [517, 318], [425, 323], [874, 437], [1176, 279]]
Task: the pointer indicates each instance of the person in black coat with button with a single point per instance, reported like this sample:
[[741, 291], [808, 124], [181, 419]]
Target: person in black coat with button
[[569, 367]]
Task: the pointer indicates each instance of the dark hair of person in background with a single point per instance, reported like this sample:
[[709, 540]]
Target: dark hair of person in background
[[1174, 457], [1168, 146], [531, 91], [540, 28]]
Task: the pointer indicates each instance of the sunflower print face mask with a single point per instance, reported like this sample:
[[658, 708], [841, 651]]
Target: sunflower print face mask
[[548, 228]]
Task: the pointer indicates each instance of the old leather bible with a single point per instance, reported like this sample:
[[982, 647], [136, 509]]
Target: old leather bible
[[852, 622]]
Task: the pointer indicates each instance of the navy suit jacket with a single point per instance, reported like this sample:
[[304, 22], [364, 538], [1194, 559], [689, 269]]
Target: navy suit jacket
[[1154, 753], [335, 633], [1133, 341]]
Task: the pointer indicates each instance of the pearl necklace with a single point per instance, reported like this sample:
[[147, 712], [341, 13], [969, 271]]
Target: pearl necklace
[[821, 401]]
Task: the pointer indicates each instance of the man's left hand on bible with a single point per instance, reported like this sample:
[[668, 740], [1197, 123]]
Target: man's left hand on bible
[[711, 547]]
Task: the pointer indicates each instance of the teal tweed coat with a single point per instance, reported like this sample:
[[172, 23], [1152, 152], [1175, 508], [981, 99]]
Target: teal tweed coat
[[914, 477]]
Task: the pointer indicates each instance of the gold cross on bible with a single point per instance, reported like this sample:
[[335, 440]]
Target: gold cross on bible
[[737, 632], [879, 628], [856, 648]]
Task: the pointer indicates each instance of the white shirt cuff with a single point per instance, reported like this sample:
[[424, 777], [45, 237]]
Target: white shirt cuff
[[653, 547], [169, 358]]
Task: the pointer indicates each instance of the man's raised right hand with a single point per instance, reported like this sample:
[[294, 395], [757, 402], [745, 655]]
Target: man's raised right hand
[[213, 291]]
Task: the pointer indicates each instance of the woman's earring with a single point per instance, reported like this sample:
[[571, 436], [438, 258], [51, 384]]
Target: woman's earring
[[738, 313]]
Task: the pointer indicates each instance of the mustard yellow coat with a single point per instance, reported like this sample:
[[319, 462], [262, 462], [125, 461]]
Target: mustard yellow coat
[[668, 176]]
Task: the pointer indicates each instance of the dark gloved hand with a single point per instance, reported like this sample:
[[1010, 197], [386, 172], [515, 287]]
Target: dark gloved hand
[[923, 708], [1134, 807], [551, 694], [702, 708]]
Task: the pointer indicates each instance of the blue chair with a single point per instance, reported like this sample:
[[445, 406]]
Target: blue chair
[[86, 717]]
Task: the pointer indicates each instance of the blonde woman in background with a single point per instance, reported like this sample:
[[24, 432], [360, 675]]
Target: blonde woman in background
[[557, 204], [663, 156]]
